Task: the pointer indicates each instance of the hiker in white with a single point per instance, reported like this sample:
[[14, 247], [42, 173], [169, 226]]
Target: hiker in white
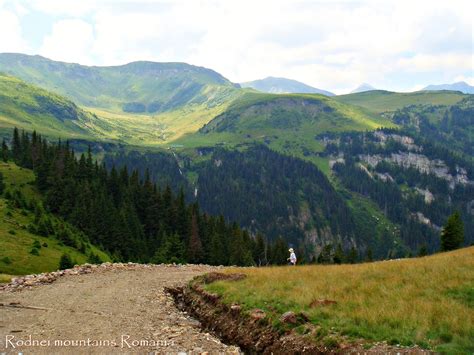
[[292, 257]]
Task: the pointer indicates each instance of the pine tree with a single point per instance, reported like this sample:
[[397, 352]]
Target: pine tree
[[260, 251], [2, 184], [339, 254], [65, 262], [353, 256], [452, 235], [195, 252], [16, 145], [423, 251], [279, 252], [369, 258], [5, 151], [325, 256]]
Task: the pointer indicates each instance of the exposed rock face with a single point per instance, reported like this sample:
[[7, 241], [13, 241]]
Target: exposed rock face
[[407, 142], [422, 164], [429, 197]]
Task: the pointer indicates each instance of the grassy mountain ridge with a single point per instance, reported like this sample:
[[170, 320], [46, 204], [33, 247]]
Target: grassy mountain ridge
[[31, 108], [379, 101], [288, 123], [135, 87]]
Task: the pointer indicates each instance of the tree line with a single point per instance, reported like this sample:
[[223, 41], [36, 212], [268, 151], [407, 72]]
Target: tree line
[[130, 217]]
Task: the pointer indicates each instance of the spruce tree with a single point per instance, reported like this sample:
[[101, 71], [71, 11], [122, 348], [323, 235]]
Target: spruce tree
[[452, 235], [5, 151], [280, 252], [369, 258], [339, 254], [353, 256], [325, 256], [195, 251], [2, 184], [65, 262], [423, 251], [16, 145], [260, 251]]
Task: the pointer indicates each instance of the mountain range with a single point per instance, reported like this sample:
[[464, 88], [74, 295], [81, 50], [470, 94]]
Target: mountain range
[[459, 86], [362, 88], [283, 86], [320, 169]]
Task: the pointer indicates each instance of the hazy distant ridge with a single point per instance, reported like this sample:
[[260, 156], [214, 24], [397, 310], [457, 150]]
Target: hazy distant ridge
[[274, 85], [459, 86]]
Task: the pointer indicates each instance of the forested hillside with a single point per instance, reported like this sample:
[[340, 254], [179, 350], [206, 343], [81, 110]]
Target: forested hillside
[[33, 240], [132, 218], [416, 182]]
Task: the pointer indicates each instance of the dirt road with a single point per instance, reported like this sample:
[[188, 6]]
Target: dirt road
[[107, 311]]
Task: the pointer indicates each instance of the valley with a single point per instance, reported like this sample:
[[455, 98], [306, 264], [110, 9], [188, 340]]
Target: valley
[[180, 123]]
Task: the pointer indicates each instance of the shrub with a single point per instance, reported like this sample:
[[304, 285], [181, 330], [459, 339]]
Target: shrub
[[34, 251], [65, 262], [12, 232], [6, 260], [94, 259]]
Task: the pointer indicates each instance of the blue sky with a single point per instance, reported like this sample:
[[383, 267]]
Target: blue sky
[[394, 45]]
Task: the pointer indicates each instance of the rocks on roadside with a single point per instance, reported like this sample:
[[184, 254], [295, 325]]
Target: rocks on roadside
[[28, 281], [257, 314], [289, 318]]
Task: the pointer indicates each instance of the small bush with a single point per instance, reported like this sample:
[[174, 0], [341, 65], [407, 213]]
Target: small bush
[[45, 245], [94, 259], [34, 251], [12, 232], [65, 262], [36, 244], [6, 260]]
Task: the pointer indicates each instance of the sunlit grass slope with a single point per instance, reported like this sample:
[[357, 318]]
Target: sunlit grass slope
[[382, 101], [426, 301], [17, 241], [32, 108], [287, 123]]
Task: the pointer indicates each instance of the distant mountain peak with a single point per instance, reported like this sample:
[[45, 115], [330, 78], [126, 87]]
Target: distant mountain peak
[[363, 87], [458, 86], [275, 85]]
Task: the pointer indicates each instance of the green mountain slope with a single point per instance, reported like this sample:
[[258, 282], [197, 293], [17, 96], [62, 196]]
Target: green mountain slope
[[30, 107], [137, 87], [381, 101], [288, 123], [24, 226]]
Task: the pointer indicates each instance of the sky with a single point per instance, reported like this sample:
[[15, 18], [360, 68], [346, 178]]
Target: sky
[[332, 45]]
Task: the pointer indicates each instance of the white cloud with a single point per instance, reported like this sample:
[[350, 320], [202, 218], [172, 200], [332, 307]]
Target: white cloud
[[70, 41], [334, 46], [63, 7], [11, 39]]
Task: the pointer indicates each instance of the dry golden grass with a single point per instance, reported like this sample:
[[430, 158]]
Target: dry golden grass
[[426, 301]]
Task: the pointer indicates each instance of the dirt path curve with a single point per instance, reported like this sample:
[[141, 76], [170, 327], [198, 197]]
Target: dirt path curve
[[107, 311]]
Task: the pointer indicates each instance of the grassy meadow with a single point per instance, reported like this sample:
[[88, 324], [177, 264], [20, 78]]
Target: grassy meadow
[[424, 301], [16, 240]]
